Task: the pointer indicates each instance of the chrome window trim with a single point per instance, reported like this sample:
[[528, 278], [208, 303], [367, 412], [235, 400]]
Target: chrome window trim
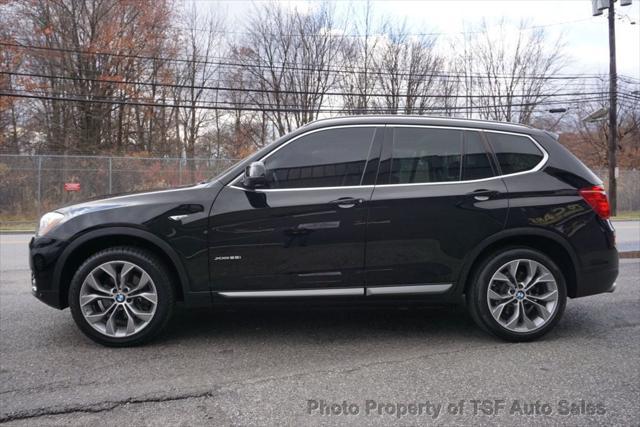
[[539, 166], [536, 168], [273, 190], [294, 293]]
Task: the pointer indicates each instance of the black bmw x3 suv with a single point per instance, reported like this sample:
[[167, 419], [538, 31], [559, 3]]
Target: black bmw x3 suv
[[361, 209]]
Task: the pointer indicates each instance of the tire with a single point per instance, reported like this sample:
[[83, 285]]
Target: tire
[[517, 310], [130, 314]]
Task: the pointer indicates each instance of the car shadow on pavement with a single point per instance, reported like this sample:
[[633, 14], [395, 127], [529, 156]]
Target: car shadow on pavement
[[339, 324], [329, 324], [323, 323]]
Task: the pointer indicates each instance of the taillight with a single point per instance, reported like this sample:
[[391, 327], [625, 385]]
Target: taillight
[[597, 199]]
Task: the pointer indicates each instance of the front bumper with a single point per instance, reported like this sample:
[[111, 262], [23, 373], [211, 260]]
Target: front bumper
[[51, 298], [43, 255]]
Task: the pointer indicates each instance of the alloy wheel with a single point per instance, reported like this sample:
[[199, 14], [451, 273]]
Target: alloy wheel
[[118, 299], [522, 295]]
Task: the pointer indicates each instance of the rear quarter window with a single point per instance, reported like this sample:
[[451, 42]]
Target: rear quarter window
[[514, 153]]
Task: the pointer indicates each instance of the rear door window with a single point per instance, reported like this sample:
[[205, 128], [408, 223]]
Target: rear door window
[[514, 153], [422, 155]]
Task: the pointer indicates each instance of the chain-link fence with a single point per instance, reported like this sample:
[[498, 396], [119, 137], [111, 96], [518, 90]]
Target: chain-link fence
[[628, 188], [31, 185]]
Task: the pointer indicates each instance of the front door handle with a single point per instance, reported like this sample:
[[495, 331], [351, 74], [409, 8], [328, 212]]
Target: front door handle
[[483, 195], [347, 202]]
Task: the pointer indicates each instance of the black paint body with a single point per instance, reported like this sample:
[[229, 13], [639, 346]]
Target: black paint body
[[224, 237]]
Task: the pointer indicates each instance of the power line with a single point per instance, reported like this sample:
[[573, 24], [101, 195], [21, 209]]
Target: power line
[[283, 91], [239, 104], [151, 82], [271, 108], [234, 105], [282, 66]]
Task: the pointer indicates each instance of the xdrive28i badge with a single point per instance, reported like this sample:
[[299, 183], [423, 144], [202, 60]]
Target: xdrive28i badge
[[227, 258]]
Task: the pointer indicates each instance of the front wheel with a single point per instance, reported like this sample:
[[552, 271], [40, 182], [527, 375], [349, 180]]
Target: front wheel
[[518, 294], [121, 296]]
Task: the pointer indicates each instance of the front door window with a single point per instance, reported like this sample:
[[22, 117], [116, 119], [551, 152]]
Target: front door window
[[329, 158]]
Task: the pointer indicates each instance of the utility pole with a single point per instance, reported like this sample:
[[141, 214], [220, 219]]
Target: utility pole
[[612, 143], [613, 116]]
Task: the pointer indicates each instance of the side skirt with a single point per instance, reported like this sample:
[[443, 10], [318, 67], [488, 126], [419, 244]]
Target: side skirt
[[409, 289], [333, 292]]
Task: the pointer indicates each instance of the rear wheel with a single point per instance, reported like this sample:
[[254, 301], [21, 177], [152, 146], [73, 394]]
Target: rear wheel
[[518, 294], [121, 296]]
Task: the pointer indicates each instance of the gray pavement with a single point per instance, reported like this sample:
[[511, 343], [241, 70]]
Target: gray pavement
[[263, 367], [627, 235]]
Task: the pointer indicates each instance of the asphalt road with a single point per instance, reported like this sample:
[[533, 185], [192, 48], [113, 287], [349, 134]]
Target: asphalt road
[[263, 367], [627, 235]]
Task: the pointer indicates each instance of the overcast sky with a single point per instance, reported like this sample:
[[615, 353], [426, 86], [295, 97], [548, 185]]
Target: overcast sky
[[585, 36]]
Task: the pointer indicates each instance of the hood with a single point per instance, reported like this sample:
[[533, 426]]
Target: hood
[[134, 198], [153, 210]]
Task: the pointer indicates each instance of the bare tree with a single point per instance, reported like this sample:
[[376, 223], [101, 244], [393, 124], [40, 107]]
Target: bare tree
[[289, 56], [266, 53], [452, 86], [88, 50], [202, 43], [588, 139], [10, 60], [358, 59], [316, 51], [407, 72], [248, 127], [508, 76]]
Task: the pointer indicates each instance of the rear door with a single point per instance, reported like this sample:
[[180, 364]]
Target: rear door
[[436, 198], [306, 231]]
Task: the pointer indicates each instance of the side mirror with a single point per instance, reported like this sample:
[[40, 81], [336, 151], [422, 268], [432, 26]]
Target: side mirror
[[255, 175]]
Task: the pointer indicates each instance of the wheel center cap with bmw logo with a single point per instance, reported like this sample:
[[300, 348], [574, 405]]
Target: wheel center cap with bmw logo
[[520, 295], [119, 298]]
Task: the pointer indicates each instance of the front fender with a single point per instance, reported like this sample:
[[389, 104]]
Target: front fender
[[60, 275]]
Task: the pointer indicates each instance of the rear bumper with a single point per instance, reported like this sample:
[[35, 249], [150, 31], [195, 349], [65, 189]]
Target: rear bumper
[[597, 280], [598, 263]]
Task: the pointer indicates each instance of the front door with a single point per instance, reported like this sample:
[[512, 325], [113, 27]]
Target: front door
[[306, 230], [437, 197]]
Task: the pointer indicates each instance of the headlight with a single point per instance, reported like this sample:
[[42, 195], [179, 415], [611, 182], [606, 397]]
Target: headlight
[[48, 221]]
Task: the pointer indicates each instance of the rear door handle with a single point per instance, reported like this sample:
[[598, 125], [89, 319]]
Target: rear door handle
[[347, 202], [483, 195]]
